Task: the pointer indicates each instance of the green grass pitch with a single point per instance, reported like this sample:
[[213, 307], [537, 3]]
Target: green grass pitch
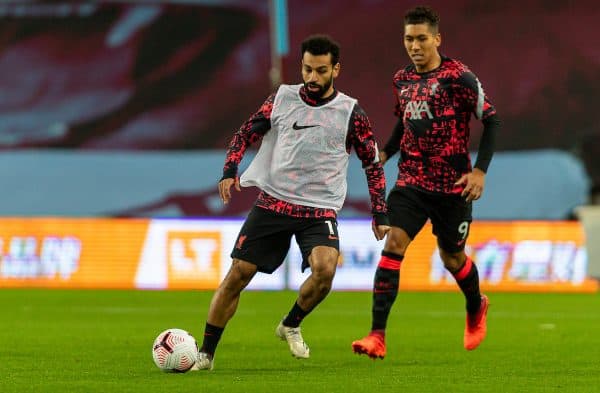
[[100, 341]]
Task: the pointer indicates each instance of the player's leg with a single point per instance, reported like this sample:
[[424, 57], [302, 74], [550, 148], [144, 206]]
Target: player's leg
[[407, 217], [222, 308], [451, 224], [319, 244], [261, 246], [466, 275], [226, 298], [323, 262], [385, 289]]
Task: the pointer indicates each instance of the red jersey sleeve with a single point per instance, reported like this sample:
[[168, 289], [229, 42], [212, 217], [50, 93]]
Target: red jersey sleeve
[[249, 133]]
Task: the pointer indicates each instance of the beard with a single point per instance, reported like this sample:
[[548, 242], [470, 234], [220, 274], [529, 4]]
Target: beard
[[318, 94]]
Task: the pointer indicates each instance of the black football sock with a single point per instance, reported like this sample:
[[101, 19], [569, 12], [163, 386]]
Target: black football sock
[[295, 316], [385, 289], [467, 278], [212, 335]]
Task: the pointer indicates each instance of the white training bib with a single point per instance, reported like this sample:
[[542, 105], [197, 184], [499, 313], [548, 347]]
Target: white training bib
[[303, 158]]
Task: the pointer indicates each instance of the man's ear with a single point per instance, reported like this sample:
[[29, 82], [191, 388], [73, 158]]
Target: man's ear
[[336, 70]]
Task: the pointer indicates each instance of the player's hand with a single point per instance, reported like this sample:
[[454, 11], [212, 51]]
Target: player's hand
[[474, 183], [225, 188], [380, 230], [383, 157]]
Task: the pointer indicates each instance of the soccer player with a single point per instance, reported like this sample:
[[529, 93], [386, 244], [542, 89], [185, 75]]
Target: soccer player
[[307, 132], [435, 98]]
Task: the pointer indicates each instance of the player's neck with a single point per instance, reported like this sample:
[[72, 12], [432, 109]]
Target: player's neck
[[432, 65]]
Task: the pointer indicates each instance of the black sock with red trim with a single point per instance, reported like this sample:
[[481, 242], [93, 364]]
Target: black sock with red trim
[[467, 278], [385, 289]]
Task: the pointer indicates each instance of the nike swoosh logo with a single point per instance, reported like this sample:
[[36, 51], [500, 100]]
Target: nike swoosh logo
[[295, 126]]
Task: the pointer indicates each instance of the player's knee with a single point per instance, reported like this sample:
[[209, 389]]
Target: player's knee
[[239, 276], [323, 262], [453, 261], [243, 270], [328, 273], [397, 241], [323, 271]]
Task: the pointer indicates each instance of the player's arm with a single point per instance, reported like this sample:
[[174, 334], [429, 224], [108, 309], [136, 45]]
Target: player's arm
[[249, 133], [485, 151], [476, 99], [360, 136], [393, 144]]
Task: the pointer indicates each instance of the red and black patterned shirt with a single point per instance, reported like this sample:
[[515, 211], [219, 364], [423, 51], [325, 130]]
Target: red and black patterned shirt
[[435, 108], [359, 136]]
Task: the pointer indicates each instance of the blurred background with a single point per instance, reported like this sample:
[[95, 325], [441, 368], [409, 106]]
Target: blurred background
[[115, 117]]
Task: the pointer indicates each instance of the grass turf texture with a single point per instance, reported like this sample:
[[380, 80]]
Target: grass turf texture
[[100, 341]]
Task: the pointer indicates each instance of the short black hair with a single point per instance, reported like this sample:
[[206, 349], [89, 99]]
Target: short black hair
[[422, 14], [320, 44]]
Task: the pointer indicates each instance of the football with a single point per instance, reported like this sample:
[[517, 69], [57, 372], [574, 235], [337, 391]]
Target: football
[[175, 350]]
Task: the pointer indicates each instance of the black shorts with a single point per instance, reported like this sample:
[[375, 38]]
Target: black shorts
[[265, 237], [450, 215]]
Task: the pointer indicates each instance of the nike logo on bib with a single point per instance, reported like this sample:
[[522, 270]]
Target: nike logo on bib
[[295, 126]]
